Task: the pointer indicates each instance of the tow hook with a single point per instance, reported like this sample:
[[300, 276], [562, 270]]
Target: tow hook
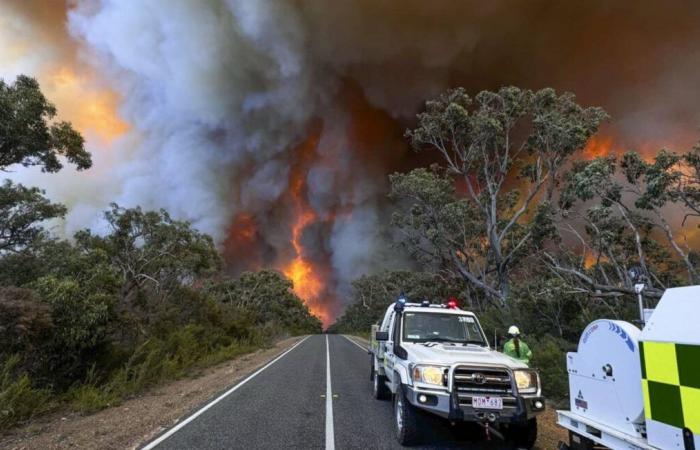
[[489, 430]]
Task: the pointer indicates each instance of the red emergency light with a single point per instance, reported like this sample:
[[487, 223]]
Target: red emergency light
[[452, 303]]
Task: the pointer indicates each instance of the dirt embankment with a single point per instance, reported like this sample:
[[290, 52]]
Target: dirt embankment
[[138, 419]]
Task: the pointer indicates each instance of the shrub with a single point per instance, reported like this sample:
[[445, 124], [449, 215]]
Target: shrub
[[25, 322], [81, 318], [549, 356], [18, 399], [90, 398], [158, 360]]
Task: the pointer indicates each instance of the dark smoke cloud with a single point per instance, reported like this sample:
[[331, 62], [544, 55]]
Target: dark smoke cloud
[[221, 94]]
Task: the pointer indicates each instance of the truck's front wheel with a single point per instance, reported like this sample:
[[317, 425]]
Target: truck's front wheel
[[379, 389], [406, 419], [523, 434]]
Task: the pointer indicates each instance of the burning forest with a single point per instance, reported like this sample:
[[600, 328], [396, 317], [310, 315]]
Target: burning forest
[[273, 125], [190, 181]]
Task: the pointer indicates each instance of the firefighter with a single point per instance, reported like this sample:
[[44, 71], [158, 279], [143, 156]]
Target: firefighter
[[516, 348]]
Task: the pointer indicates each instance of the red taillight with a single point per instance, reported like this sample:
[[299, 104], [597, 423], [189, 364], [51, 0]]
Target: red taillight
[[452, 304]]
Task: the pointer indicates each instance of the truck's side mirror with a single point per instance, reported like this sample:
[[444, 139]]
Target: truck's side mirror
[[381, 336]]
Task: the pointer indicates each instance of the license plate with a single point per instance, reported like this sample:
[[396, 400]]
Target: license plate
[[487, 402]]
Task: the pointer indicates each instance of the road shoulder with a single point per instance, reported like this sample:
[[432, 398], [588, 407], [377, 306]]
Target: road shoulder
[[139, 419]]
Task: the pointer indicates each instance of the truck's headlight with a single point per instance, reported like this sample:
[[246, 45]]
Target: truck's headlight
[[527, 381], [429, 374]]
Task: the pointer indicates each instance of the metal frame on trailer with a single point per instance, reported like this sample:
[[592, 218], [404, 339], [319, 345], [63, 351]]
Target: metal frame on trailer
[[598, 433]]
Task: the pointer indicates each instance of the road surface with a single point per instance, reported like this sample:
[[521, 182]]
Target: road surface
[[285, 404]]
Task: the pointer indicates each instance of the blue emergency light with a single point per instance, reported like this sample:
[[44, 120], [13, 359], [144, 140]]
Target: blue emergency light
[[400, 303]]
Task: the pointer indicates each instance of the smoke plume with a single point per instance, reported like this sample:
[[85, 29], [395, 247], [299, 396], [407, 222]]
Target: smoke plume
[[271, 124]]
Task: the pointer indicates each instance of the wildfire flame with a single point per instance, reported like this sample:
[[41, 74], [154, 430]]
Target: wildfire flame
[[307, 284], [305, 276], [598, 146], [601, 145]]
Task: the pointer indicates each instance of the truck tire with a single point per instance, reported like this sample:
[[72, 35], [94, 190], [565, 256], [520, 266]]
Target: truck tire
[[379, 389], [406, 419], [523, 434]]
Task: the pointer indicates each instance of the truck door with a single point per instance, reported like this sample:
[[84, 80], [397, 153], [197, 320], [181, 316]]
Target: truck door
[[389, 357], [381, 347]]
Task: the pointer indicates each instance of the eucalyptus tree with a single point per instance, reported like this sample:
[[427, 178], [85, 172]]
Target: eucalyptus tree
[[626, 205], [29, 136], [507, 149]]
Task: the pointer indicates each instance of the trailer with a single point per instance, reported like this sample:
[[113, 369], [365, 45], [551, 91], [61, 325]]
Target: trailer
[[638, 389]]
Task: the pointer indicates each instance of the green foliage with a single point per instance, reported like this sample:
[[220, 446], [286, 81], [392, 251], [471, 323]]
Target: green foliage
[[111, 315], [372, 294], [269, 297], [504, 219], [82, 358], [149, 249], [18, 399], [688, 188], [81, 317], [434, 221], [589, 179], [90, 398], [28, 134], [105, 316], [549, 358], [79, 314], [45, 256], [21, 211], [158, 360], [628, 215], [507, 148]]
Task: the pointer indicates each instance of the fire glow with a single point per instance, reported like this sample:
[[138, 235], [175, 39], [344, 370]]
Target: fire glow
[[307, 284], [301, 270], [97, 110], [211, 132]]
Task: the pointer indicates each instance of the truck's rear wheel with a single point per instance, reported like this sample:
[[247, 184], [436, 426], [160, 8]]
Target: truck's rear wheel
[[406, 419], [523, 434], [379, 389]]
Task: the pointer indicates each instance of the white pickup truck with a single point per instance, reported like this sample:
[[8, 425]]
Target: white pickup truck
[[435, 358]]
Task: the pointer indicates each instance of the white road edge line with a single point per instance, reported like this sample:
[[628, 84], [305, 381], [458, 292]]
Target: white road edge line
[[353, 341], [330, 438], [173, 430]]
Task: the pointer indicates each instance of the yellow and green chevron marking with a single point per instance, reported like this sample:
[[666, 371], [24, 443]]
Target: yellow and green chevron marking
[[671, 383]]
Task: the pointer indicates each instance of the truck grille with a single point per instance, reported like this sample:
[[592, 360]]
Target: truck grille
[[470, 381]]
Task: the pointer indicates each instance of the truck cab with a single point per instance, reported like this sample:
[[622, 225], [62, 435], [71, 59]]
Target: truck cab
[[434, 358]]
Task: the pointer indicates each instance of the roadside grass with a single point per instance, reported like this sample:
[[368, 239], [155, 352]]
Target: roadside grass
[[181, 353], [18, 399]]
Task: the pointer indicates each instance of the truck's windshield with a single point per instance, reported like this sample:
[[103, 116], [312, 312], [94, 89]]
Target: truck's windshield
[[436, 327]]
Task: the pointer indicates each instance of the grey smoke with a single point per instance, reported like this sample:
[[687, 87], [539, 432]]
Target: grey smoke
[[220, 93]]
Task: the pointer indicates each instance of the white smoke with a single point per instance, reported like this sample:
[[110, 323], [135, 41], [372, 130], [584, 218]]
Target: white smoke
[[216, 92], [219, 94]]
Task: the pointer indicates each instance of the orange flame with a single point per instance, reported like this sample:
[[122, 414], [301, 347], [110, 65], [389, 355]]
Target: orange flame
[[598, 146], [307, 285], [306, 278], [605, 145]]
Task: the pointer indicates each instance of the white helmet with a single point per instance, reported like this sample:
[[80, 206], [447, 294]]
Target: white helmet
[[513, 331]]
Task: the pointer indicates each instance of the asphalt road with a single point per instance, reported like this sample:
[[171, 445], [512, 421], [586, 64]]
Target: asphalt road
[[284, 405]]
